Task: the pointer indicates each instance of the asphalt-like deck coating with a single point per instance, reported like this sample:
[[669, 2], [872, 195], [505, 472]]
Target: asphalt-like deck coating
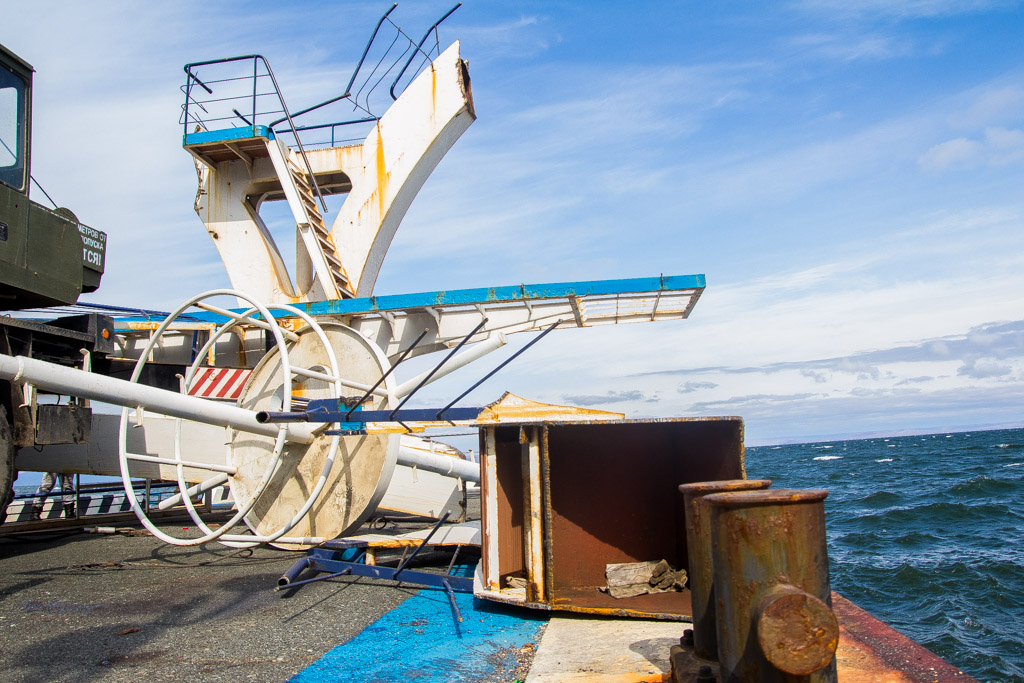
[[79, 607]]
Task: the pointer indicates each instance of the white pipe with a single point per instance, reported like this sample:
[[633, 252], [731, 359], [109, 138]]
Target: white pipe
[[213, 467], [446, 465], [313, 374], [201, 487], [245, 319], [73, 382], [471, 354]]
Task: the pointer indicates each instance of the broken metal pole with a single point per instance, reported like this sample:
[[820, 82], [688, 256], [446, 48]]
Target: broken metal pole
[[73, 382]]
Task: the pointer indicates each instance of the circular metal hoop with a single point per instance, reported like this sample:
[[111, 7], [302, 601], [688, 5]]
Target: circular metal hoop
[[358, 470], [267, 321]]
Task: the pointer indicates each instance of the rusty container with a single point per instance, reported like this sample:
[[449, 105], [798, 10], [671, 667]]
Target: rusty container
[[772, 597], [698, 543], [560, 501]]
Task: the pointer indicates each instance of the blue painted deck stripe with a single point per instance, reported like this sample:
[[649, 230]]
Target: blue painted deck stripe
[[420, 640], [481, 295]]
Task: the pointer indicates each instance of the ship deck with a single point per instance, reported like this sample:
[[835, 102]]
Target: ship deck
[[125, 606]]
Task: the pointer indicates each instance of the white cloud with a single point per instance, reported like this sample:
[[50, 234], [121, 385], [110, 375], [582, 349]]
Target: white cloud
[[989, 105], [850, 47], [983, 369], [997, 147], [958, 152]]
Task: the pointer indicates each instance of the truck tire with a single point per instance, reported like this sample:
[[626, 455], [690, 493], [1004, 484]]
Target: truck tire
[[7, 473]]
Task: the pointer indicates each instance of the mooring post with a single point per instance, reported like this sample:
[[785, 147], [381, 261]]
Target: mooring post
[[698, 550], [772, 595]]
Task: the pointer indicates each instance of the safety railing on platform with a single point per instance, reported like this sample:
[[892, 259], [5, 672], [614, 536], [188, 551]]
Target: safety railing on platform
[[231, 94], [258, 93]]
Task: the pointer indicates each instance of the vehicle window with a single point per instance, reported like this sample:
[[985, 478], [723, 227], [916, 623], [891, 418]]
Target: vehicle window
[[12, 121]]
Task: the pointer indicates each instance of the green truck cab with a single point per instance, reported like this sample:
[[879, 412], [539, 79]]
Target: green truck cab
[[47, 257]]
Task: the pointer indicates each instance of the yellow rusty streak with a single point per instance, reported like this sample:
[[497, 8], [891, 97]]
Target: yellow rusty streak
[[152, 325], [382, 173], [433, 91], [511, 408], [378, 542]]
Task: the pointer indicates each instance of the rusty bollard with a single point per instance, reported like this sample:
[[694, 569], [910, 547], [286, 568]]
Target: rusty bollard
[[698, 548], [772, 594]]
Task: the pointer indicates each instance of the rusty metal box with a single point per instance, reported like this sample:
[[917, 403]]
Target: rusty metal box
[[560, 500]]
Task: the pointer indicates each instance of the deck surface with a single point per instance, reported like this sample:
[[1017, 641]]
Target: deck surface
[[77, 606]]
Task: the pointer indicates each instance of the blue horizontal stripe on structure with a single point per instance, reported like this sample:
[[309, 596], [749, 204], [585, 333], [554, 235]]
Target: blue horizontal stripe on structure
[[511, 293], [480, 295], [227, 134], [421, 640]]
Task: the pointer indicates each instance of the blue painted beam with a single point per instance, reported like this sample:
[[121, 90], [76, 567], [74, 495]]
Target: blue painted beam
[[480, 295], [227, 135], [512, 293], [330, 410]]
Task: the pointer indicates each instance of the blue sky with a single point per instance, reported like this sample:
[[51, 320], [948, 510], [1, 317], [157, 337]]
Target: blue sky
[[848, 175]]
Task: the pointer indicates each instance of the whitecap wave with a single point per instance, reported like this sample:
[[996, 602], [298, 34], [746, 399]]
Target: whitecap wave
[[828, 457]]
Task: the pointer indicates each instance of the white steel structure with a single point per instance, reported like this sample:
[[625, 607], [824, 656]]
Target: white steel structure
[[321, 335]]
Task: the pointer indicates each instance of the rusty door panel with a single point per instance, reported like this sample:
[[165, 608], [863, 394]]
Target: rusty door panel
[[609, 493], [614, 492], [510, 503]]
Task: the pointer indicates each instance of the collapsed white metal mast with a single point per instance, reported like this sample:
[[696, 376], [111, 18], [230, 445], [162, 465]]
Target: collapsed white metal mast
[[296, 485]]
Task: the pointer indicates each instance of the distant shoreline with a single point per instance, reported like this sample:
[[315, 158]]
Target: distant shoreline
[[860, 436]]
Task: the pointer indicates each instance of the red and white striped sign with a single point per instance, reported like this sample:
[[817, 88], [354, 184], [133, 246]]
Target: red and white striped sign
[[219, 383]]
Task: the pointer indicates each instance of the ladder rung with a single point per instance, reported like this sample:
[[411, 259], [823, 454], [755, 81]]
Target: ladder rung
[[339, 277], [332, 260]]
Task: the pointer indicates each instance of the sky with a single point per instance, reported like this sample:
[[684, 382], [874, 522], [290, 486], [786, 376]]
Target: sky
[[849, 177]]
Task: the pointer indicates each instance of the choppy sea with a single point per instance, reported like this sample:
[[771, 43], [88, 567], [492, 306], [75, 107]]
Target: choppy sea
[[927, 534]]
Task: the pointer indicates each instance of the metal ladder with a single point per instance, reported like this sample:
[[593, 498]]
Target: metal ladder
[[314, 232]]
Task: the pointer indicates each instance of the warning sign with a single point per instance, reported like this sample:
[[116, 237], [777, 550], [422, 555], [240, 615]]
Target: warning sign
[[94, 247]]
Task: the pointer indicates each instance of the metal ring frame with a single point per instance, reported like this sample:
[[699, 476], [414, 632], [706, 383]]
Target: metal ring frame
[[244, 507]]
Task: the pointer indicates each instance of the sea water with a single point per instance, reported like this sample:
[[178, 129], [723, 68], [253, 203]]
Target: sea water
[[924, 532]]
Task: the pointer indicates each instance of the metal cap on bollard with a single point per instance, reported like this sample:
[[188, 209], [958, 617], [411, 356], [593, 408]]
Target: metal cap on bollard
[[797, 632], [772, 593], [698, 545]]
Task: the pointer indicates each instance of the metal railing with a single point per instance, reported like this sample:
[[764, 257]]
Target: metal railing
[[386, 54], [235, 92], [238, 95]]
